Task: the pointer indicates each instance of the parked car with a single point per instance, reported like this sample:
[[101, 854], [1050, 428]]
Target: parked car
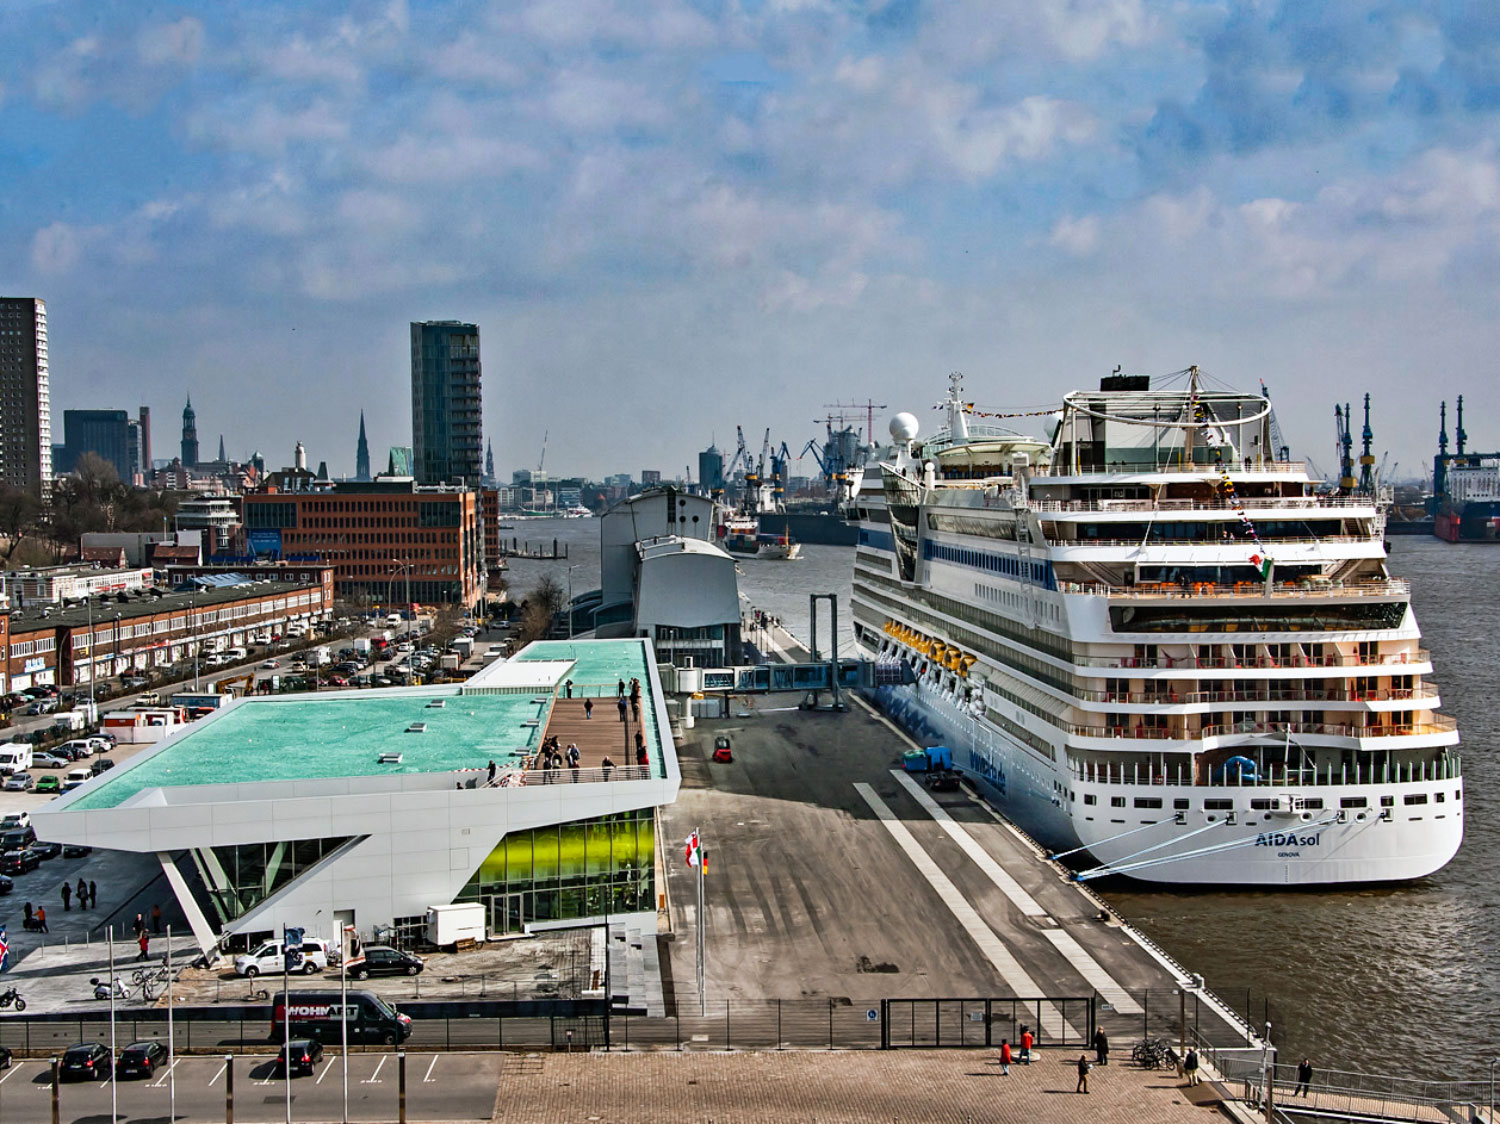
[[338, 681], [88, 1061], [78, 747], [51, 782], [100, 765], [45, 851], [76, 851], [270, 663], [6, 885], [382, 960], [267, 958], [75, 778], [13, 820], [135, 682], [305, 1055], [140, 1059], [49, 761], [20, 782], [42, 706], [19, 862], [18, 837]]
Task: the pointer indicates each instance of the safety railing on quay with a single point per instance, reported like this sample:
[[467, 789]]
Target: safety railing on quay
[[1357, 1096]]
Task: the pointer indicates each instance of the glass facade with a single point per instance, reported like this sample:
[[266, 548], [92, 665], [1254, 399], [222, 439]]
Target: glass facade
[[239, 878], [589, 868]]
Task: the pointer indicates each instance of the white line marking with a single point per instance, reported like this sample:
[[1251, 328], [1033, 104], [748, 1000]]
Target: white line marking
[[162, 1080], [426, 1077], [222, 1067], [993, 948], [15, 1069], [324, 1074], [1086, 966], [374, 1078]]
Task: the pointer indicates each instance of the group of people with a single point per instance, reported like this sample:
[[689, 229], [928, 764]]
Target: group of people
[[552, 757], [86, 895]]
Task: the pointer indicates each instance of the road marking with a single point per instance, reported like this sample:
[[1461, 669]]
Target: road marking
[[989, 942], [1075, 954], [162, 1080], [324, 1074], [426, 1077], [14, 1069], [374, 1078], [222, 1067]]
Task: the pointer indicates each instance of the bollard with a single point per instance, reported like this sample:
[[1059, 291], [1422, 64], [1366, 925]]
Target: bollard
[[56, 1104], [401, 1085], [228, 1089]]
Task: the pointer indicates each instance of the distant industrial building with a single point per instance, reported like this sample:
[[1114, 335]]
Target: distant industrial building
[[446, 403], [25, 395], [376, 536], [650, 476]]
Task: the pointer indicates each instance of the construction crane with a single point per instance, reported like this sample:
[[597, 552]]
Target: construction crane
[[1280, 450], [1366, 457], [1344, 445], [869, 406], [541, 460]]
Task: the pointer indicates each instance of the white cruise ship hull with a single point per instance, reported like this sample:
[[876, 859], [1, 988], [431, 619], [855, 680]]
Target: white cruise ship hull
[[1275, 849]]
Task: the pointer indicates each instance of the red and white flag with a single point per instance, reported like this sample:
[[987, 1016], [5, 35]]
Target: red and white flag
[[692, 849]]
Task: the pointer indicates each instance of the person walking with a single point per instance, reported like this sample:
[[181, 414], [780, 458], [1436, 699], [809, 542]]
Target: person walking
[[93, 896], [568, 686], [67, 896], [606, 765], [1027, 1040], [620, 689], [82, 894], [156, 919], [635, 707], [1190, 1066], [1083, 1074], [138, 926], [1304, 1077], [1101, 1047], [588, 708], [492, 771], [41, 919], [620, 706], [573, 754], [1005, 1058], [145, 942]]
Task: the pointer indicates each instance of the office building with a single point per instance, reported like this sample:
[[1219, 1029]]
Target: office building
[[650, 476], [446, 407], [711, 470], [399, 461], [109, 434], [25, 395], [143, 424], [376, 536], [215, 517], [189, 435]]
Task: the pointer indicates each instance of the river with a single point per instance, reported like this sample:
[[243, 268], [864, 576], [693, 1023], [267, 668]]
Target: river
[[1402, 979]]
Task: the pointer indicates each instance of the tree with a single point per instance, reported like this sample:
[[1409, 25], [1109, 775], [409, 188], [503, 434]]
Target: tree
[[19, 512]]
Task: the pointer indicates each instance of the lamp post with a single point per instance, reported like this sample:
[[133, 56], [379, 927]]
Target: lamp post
[[115, 661], [93, 660], [570, 599], [193, 636]]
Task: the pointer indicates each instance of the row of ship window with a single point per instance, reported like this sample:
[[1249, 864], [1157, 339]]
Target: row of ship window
[[1265, 804]]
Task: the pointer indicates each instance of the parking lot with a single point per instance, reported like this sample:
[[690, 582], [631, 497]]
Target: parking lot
[[438, 1087]]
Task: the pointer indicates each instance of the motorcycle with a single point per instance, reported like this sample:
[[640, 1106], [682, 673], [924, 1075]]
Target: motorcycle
[[101, 988], [12, 998]]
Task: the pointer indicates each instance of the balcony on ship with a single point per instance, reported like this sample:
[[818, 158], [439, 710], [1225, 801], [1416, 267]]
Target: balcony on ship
[[1253, 655], [1266, 766]]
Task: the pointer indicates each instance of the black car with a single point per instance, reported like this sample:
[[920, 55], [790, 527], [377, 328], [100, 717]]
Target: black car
[[382, 960], [45, 851], [18, 837], [306, 1053], [101, 765], [84, 1062], [76, 851], [140, 1059], [19, 862], [6, 885]]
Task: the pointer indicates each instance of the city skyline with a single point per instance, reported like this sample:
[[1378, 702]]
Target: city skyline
[[675, 219]]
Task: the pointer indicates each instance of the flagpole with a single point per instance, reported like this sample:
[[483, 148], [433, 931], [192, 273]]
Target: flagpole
[[344, 953], [286, 1020], [702, 925], [171, 1039], [114, 1094]]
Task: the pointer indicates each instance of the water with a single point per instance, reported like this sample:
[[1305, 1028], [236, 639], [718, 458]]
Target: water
[[1402, 979]]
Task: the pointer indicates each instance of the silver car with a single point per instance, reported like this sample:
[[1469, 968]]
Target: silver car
[[19, 782]]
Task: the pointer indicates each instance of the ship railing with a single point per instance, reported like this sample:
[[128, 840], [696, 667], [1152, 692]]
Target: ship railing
[[1394, 694], [1132, 468], [1442, 767], [1137, 541], [1322, 590], [1256, 504], [1347, 659], [1440, 724]]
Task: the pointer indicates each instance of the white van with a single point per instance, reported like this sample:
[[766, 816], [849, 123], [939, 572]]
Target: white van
[[86, 747], [266, 958], [15, 757], [76, 777]]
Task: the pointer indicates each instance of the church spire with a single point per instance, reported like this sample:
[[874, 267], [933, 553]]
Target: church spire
[[362, 453]]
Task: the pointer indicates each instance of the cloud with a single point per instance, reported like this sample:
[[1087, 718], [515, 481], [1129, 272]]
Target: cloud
[[57, 248], [171, 44]]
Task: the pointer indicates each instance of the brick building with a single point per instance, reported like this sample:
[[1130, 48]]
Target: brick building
[[375, 535]]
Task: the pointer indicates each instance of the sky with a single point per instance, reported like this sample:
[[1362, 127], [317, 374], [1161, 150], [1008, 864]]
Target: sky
[[674, 217]]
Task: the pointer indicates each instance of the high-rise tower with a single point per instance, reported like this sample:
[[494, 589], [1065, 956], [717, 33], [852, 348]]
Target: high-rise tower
[[446, 414], [189, 435], [25, 395], [362, 453]]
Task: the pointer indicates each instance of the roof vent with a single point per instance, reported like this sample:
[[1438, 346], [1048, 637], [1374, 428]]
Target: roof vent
[[417, 728], [389, 759], [436, 704]]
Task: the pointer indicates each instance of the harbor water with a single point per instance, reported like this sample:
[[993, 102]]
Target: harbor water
[[1400, 979]]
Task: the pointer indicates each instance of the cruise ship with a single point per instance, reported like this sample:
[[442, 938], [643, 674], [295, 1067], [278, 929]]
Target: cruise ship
[[1153, 645]]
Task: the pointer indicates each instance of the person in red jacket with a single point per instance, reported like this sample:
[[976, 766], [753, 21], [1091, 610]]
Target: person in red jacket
[[1027, 1040], [1005, 1056]]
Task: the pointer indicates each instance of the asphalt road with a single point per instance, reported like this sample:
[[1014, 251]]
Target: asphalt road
[[438, 1087]]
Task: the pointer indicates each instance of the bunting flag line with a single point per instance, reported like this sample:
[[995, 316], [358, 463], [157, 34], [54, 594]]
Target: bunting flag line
[[972, 412]]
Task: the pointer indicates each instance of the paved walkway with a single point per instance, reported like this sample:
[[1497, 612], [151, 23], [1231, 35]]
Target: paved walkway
[[597, 737], [958, 1086]]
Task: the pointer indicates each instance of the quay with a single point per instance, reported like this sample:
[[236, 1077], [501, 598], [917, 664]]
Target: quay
[[537, 552]]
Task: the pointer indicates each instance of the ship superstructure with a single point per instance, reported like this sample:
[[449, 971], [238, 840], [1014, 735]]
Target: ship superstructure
[[1151, 641]]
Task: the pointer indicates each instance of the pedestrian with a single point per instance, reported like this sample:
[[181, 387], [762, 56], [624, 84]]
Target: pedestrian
[[1101, 1047], [568, 686], [67, 896], [635, 709], [620, 706], [138, 926], [156, 918], [41, 919], [492, 771], [1304, 1077], [606, 765], [93, 896], [82, 894], [641, 757], [145, 941], [573, 754], [1005, 1057], [1027, 1039], [620, 689], [1083, 1074], [588, 708], [1190, 1066]]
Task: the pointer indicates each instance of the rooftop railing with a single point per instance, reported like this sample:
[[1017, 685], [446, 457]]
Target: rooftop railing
[[1154, 540], [1440, 724], [513, 777]]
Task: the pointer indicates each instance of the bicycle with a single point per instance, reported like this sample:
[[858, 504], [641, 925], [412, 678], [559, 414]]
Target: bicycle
[[1153, 1053]]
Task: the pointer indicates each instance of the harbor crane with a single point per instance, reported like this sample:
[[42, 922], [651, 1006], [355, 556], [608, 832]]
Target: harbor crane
[[1344, 448], [1366, 457]]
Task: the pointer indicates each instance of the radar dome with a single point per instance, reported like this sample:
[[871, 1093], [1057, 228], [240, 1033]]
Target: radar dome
[[903, 427]]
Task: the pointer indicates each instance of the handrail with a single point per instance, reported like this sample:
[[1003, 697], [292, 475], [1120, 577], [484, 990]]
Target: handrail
[[1235, 467], [513, 777], [1441, 724], [1227, 544], [1258, 503], [1391, 587], [1277, 775], [1172, 698], [1347, 659]]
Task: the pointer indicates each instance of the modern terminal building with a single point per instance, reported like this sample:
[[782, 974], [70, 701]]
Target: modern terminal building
[[370, 807]]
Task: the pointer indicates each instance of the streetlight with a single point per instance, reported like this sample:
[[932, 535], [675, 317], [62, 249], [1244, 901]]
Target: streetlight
[[570, 598], [193, 633]]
